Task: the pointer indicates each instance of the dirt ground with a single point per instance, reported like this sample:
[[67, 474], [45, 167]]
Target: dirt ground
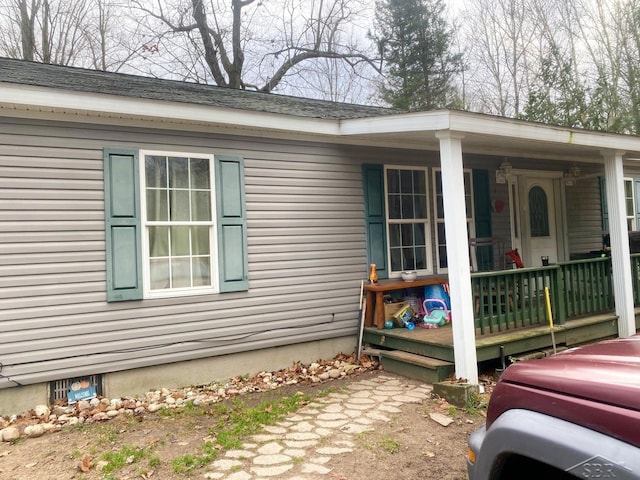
[[411, 446]]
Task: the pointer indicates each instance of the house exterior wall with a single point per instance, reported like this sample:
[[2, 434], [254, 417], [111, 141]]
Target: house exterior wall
[[305, 244], [584, 215]]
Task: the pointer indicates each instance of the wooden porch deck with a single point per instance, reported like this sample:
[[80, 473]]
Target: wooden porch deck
[[510, 312], [432, 349], [438, 342]]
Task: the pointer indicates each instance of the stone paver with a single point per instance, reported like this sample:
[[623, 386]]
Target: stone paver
[[306, 444]]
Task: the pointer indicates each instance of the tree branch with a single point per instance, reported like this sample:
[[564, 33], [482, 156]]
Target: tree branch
[[210, 52], [307, 54], [160, 16]]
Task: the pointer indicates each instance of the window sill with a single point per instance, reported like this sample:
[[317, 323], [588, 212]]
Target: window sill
[[174, 293]]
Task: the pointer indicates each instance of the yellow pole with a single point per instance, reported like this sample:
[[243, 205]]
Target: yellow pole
[[550, 317]]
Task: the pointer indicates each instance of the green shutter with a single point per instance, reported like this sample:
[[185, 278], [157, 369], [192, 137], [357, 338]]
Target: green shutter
[[233, 263], [482, 214], [122, 225], [603, 205], [376, 224]]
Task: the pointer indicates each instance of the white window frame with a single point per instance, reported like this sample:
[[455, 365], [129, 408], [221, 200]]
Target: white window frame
[[471, 220], [213, 243], [631, 219], [425, 221]]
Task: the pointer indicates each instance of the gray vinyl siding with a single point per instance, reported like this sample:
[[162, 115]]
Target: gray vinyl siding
[[306, 254], [584, 216]]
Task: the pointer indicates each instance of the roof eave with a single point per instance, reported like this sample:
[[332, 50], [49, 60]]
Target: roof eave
[[113, 106], [469, 123]]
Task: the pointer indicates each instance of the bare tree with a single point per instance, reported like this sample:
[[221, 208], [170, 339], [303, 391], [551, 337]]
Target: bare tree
[[112, 37], [595, 50], [630, 71], [18, 28], [572, 62], [49, 31], [85, 33], [330, 79], [249, 44]]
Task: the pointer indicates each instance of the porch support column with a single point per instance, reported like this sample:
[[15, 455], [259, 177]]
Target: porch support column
[[620, 253], [455, 222]]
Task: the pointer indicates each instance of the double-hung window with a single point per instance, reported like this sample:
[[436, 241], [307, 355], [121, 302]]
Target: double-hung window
[[399, 226], [175, 224], [438, 201], [179, 228], [630, 203], [407, 219]]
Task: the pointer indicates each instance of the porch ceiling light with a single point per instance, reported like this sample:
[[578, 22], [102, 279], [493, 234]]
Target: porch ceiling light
[[505, 169], [571, 176], [574, 172]]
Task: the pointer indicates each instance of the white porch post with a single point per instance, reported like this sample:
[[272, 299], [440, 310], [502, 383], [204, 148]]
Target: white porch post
[[455, 222], [620, 253]]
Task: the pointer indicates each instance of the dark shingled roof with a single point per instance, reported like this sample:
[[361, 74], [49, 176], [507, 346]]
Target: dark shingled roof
[[82, 80]]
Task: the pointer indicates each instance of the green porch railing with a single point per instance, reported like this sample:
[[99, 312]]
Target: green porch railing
[[511, 299], [635, 278], [587, 287]]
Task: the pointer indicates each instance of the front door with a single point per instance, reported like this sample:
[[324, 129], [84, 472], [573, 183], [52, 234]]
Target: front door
[[538, 221]]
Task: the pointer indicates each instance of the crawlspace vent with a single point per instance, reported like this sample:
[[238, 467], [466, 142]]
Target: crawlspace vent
[[60, 388]]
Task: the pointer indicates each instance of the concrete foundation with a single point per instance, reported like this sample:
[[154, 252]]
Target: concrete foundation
[[194, 372], [457, 394]]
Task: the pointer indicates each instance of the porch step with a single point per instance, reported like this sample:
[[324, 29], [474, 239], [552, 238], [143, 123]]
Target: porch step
[[418, 367]]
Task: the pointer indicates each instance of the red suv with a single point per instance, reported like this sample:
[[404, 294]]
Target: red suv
[[575, 414]]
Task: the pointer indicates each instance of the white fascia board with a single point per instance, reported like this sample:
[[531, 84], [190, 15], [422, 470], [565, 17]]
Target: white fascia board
[[98, 104], [490, 126], [518, 129], [401, 123]]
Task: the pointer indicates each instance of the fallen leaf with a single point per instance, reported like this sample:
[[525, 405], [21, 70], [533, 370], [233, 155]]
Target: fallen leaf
[[31, 465], [85, 465], [429, 454]]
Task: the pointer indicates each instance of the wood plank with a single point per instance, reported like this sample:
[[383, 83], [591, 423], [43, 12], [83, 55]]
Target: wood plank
[[417, 367], [438, 343], [425, 362]]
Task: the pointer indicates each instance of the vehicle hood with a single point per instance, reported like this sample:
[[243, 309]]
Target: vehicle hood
[[607, 372]]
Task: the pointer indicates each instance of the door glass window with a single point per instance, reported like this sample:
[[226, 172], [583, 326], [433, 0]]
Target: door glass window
[[538, 212]]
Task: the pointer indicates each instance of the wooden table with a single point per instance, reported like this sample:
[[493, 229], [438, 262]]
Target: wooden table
[[375, 295]]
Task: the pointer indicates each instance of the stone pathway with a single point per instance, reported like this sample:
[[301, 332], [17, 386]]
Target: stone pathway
[[303, 446]]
